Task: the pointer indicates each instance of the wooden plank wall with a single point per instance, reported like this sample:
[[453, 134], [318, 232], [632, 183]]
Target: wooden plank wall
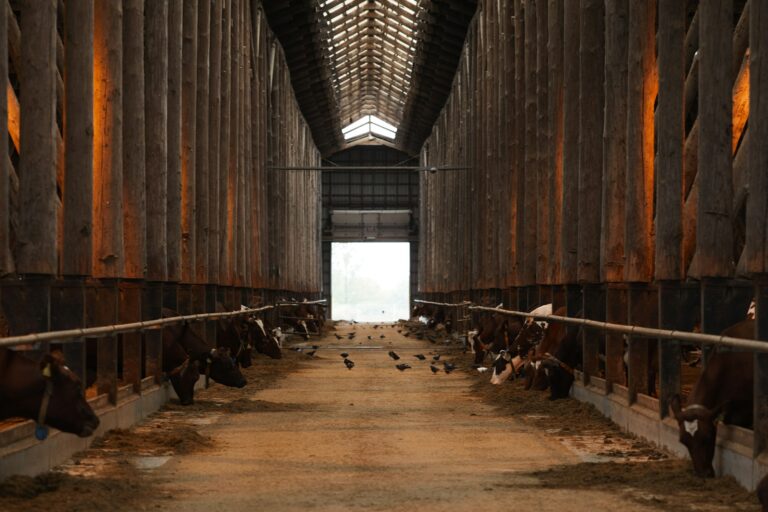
[[156, 168], [617, 166]]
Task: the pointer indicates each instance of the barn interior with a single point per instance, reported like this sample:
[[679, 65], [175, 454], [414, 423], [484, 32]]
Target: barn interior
[[191, 163]]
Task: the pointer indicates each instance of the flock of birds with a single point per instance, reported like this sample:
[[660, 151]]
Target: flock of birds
[[447, 367]]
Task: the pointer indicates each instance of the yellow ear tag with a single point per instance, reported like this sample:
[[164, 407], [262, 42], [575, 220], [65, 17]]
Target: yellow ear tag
[[47, 371]]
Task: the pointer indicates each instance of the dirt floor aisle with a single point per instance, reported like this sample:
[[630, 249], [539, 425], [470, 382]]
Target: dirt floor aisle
[[374, 438]]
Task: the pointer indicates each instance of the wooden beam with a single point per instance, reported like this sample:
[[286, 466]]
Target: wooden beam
[[37, 251], [173, 226], [543, 144], [188, 140], [615, 140], [531, 148], [156, 130], [591, 94], [134, 143], [224, 116]]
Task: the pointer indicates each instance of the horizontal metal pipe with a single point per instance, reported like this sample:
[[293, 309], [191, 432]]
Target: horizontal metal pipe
[[465, 303], [320, 302], [369, 168], [72, 335], [643, 332]]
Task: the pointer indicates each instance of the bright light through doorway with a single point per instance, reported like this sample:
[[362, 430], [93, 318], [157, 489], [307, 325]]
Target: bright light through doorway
[[370, 281]]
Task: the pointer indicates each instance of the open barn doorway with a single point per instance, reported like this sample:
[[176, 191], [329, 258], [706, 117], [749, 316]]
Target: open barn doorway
[[370, 281]]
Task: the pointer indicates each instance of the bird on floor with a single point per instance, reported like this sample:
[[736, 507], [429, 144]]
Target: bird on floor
[[402, 366], [349, 364], [393, 355]]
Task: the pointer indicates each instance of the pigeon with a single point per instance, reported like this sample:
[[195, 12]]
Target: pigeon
[[337, 336], [402, 366], [315, 347], [436, 357], [375, 326], [420, 357], [482, 369], [393, 355], [349, 364], [344, 355], [297, 349], [382, 336], [448, 367], [434, 368], [370, 338], [407, 334], [311, 354]]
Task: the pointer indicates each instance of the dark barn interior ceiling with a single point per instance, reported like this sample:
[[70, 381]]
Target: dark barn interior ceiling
[[392, 59]]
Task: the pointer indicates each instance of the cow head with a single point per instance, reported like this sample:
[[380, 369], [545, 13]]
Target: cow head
[[183, 380], [698, 432], [529, 335], [264, 342], [67, 409], [503, 368], [222, 368]]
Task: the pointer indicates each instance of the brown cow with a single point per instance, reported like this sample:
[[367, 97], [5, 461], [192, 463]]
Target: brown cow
[[725, 387], [762, 493], [46, 392]]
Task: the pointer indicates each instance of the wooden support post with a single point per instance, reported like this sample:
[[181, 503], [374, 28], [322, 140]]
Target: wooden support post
[[101, 309], [188, 140], [108, 139], [26, 305], [761, 359], [68, 312], [38, 208], [152, 309], [714, 229], [130, 311], [615, 140], [591, 94], [202, 191], [6, 259], [593, 307], [669, 199], [214, 156], [642, 89], [574, 301], [519, 136], [134, 142], [642, 311], [77, 250], [174, 211], [156, 129], [616, 309], [757, 208], [170, 296], [677, 310], [571, 115]]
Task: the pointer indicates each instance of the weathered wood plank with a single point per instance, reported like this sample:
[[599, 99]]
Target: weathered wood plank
[[7, 265], [591, 94], [77, 250], [670, 141], [173, 229], [642, 90], [202, 192], [156, 130], [571, 115], [36, 243], [134, 142], [714, 229], [188, 141]]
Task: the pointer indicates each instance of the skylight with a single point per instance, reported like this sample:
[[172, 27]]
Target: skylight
[[369, 126]]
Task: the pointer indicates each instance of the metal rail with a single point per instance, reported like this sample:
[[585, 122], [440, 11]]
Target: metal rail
[[465, 303], [643, 332], [73, 335], [319, 302]]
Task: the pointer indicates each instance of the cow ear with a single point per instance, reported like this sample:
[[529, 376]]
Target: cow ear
[[674, 406]]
